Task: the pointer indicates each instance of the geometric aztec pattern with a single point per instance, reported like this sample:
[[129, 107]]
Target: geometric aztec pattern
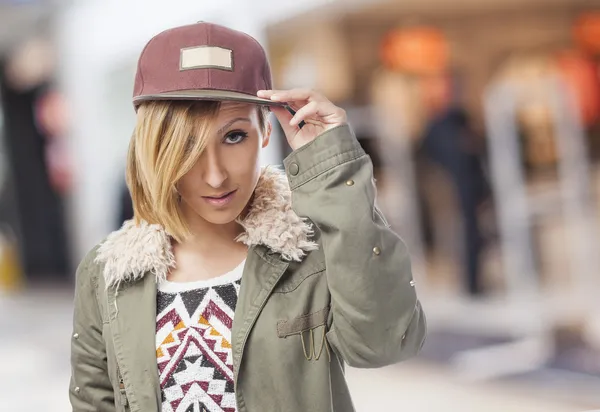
[[193, 348]]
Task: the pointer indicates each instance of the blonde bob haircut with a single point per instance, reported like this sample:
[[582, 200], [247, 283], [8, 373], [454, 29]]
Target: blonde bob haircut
[[168, 139]]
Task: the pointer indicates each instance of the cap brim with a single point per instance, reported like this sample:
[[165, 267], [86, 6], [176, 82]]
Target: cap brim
[[214, 95]]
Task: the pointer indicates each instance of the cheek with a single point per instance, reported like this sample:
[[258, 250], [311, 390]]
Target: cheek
[[190, 182], [243, 159]]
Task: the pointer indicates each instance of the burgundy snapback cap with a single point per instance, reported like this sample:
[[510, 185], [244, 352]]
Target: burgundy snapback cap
[[202, 61]]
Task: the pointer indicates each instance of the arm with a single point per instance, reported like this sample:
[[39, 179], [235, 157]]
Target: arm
[[90, 388], [377, 319]]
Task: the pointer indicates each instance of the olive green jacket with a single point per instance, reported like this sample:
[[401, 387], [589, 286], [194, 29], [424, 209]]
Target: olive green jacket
[[332, 288]]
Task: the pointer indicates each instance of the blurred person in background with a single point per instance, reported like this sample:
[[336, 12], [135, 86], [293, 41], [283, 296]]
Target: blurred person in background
[[416, 90], [449, 141], [237, 288], [34, 131]]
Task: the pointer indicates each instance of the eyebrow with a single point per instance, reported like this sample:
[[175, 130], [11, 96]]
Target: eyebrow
[[229, 123]]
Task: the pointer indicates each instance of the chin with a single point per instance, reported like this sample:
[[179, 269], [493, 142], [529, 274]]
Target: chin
[[220, 218], [223, 216]]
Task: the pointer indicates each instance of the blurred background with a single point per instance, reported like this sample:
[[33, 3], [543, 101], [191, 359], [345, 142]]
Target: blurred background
[[482, 118]]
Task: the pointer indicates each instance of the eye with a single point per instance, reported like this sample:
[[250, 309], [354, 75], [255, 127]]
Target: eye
[[235, 137]]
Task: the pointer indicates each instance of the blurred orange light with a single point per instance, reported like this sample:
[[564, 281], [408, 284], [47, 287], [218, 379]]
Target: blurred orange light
[[416, 50], [586, 32]]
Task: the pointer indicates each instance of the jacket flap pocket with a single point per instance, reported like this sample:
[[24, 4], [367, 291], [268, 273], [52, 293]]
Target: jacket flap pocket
[[300, 324]]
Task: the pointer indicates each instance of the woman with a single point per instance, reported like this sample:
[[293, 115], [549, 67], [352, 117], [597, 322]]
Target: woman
[[236, 288]]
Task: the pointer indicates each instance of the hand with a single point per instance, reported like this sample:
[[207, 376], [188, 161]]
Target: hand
[[318, 114]]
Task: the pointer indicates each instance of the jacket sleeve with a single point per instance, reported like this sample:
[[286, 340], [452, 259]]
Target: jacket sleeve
[[377, 318], [90, 388]]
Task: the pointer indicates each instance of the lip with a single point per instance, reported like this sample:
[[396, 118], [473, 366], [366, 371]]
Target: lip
[[220, 200]]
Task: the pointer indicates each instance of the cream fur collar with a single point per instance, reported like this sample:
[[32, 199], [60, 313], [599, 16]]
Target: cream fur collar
[[134, 250]]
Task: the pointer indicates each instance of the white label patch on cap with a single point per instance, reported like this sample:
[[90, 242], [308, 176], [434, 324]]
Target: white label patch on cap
[[203, 57]]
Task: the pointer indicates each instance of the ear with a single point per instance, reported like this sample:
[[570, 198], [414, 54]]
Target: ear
[[267, 135]]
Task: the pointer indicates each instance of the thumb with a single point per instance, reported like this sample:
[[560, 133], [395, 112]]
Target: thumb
[[284, 117]]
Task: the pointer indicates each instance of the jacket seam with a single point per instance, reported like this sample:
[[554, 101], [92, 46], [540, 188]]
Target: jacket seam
[[257, 305], [94, 280], [363, 341], [312, 142], [382, 218], [116, 339], [357, 154], [285, 291]]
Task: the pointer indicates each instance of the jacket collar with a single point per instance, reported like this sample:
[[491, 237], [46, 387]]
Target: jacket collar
[[134, 250]]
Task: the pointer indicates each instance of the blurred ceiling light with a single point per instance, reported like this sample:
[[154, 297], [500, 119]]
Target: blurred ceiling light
[[30, 64], [418, 50]]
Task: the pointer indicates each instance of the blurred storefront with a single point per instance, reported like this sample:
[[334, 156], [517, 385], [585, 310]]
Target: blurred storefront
[[483, 122], [397, 66]]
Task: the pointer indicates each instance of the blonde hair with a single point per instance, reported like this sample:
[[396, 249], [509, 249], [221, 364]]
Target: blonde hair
[[168, 140]]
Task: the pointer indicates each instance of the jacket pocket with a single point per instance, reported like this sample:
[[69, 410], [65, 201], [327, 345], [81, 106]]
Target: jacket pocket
[[305, 326]]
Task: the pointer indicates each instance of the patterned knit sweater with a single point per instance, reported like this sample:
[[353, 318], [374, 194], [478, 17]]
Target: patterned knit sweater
[[193, 343]]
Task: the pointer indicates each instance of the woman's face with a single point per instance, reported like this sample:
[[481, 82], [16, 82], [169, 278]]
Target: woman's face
[[220, 184]]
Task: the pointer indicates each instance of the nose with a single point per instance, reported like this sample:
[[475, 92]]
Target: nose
[[214, 170]]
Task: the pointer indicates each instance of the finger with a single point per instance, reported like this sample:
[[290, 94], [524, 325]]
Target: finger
[[308, 110], [284, 117], [319, 109], [265, 94], [280, 96], [296, 95], [295, 106], [291, 95]]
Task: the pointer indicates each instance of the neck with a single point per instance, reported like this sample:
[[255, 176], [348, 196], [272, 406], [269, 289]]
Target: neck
[[207, 236], [210, 250]]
